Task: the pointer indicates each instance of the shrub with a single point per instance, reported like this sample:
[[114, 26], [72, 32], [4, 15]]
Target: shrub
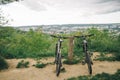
[[117, 56], [40, 65], [22, 64], [116, 76], [3, 63], [106, 59], [102, 76], [21, 44]]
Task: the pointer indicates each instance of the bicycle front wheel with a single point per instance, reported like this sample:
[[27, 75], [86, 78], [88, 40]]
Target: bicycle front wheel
[[58, 66], [89, 68]]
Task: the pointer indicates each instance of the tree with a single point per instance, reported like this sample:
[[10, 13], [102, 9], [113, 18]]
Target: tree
[[3, 63], [7, 1], [3, 20]]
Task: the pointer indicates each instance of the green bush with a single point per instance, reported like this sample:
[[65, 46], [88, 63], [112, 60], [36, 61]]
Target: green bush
[[21, 44], [104, 41], [106, 58], [73, 78], [22, 64], [3, 63], [6, 34], [40, 65], [102, 76], [83, 78]]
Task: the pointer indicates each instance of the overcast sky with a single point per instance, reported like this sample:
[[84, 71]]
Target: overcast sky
[[37, 12]]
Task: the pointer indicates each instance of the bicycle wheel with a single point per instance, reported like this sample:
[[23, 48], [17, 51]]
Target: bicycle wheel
[[89, 63], [58, 65]]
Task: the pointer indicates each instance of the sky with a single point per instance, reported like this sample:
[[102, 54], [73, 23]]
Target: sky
[[42, 12]]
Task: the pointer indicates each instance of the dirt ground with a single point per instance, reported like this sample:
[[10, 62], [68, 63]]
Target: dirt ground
[[48, 73]]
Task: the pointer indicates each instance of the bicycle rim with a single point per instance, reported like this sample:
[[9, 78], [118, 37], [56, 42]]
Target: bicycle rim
[[58, 66], [89, 68], [89, 64]]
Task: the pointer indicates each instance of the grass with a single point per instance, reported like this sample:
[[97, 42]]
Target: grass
[[40, 65], [74, 61], [102, 76], [106, 59], [73, 78], [22, 64]]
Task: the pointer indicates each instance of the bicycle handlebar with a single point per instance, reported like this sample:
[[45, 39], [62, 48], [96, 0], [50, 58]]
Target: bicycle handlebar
[[84, 36], [59, 37]]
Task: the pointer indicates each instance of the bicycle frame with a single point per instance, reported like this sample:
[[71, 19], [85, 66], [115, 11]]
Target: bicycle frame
[[58, 48]]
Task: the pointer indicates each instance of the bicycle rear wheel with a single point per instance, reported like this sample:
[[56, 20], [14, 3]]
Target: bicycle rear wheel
[[89, 63]]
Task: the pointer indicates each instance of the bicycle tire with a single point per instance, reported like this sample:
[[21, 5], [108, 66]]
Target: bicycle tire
[[58, 60], [89, 64], [58, 65]]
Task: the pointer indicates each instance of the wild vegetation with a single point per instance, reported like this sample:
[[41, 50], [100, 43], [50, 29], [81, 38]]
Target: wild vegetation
[[21, 44], [22, 64], [103, 41], [35, 44], [40, 65], [74, 61], [102, 76]]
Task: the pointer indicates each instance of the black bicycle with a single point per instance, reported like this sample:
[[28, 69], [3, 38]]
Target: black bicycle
[[58, 56], [87, 53]]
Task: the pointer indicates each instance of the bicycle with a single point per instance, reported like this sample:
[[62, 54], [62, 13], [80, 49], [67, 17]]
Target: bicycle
[[58, 55], [87, 53]]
